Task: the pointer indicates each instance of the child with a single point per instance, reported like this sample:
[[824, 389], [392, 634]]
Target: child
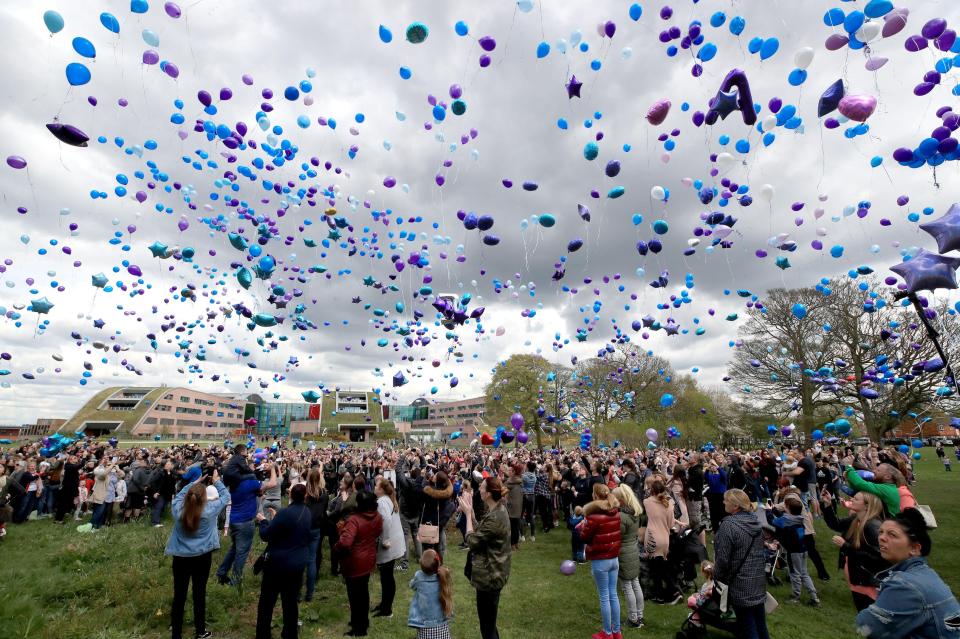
[[577, 546], [432, 604], [705, 592], [81, 499], [946, 464], [790, 529]]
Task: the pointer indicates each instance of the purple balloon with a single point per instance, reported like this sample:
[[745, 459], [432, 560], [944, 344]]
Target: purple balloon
[[948, 146], [16, 162], [934, 28], [610, 28], [247, 79], [172, 10], [658, 112], [946, 41], [68, 134], [946, 229], [927, 271], [857, 107], [487, 43], [522, 437], [836, 42], [568, 567], [903, 155], [874, 64], [151, 57], [923, 88], [517, 421], [894, 22], [134, 270], [915, 43], [172, 70]]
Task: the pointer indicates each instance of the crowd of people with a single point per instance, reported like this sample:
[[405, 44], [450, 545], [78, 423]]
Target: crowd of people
[[641, 518]]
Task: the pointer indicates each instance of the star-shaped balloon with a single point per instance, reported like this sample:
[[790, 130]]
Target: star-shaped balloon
[[573, 87], [946, 230], [42, 305], [99, 280], [927, 271], [158, 249], [733, 95], [98, 323], [671, 327], [724, 104]]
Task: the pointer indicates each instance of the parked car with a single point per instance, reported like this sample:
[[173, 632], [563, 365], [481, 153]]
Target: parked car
[[860, 441], [895, 441]]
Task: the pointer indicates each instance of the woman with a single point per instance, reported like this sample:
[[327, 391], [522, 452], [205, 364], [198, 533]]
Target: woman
[[488, 562], [515, 504], [391, 545], [859, 544], [740, 564], [271, 492], [629, 558], [677, 489], [191, 544], [716, 479], [338, 509], [287, 534], [435, 509], [913, 601], [357, 548], [600, 531], [656, 542], [316, 501]]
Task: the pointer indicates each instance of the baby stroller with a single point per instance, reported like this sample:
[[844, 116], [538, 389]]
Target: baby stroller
[[686, 554], [776, 558], [707, 615]]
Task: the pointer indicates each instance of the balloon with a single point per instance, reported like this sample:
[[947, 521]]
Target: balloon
[[417, 32], [486, 439], [799, 311], [522, 437], [53, 21], [894, 23], [568, 567], [150, 37], [803, 57], [830, 99], [68, 133], [927, 271], [946, 230], [386, 35], [658, 112], [817, 435], [517, 421], [652, 435], [16, 162], [77, 74], [109, 22], [857, 107], [769, 48], [172, 10], [666, 401], [41, 306], [728, 100], [139, 6]]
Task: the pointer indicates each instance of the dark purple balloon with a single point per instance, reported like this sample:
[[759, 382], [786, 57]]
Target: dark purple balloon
[[172, 70], [903, 155], [226, 93], [151, 57], [92, 100], [931, 76], [484, 61], [172, 10], [68, 134], [948, 145], [934, 28], [775, 104], [923, 88], [946, 41], [487, 43], [915, 43], [831, 123], [204, 97], [610, 28]]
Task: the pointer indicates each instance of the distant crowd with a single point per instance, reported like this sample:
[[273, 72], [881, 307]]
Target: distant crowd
[[641, 518]]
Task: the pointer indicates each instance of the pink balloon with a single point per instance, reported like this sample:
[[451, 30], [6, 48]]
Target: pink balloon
[[875, 63], [858, 107], [894, 22], [836, 42], [657, 113]]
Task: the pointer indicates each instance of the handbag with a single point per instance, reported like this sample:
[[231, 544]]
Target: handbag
[[722, 589], [770, 604], [928, 517], [260, 563], [429, 533], [468, 565]]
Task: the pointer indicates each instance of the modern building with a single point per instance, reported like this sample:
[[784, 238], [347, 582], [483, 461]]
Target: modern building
[[428, 422], [43, 426], [356, 414], [183, 413]]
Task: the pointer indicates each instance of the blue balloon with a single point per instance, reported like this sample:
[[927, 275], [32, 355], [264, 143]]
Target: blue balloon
[[77, 74], [139, 6], [769, 48], [84, 47], [386, 35], [543, 50], [439, 113], [768, 139], [707, 52], [717, 19], [799, 310], [737, 25], [110, 22], [878, 8], [635, 11], [461, 28], [53, 20], [755, 45], [876, 161], [834, 17], [797, 77], [666, 400], [853, 21], [742, 146]]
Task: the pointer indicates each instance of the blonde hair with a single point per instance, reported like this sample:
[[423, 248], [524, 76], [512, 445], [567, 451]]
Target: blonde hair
[[738, 498], [626, 497], [601, 492], [873, 510]]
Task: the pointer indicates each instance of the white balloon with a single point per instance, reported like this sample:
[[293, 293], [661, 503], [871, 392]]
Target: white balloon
[[658, 193], [770, 123], [561, 45], [726, 161], [693, 242], [766, 193], [869, 31], [627, 52], [821, 232], [803, 57]]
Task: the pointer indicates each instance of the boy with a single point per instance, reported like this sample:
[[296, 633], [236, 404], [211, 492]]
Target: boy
[[577, 547], [790, 533]]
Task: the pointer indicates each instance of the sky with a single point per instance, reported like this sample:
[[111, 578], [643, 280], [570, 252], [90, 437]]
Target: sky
[[513, 107]]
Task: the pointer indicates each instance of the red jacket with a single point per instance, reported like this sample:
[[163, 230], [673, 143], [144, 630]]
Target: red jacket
[[358, 543], [600, 530]]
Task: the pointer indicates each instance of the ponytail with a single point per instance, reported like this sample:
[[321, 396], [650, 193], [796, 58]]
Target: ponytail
[[446, 590], [193, 504]]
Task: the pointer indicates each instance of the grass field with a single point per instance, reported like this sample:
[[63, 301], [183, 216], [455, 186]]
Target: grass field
[[58, 584]]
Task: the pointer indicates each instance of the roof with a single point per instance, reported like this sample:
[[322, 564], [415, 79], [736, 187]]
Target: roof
[[128, 418]]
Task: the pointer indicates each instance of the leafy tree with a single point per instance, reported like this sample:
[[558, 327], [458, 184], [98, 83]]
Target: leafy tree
[[516, 387]]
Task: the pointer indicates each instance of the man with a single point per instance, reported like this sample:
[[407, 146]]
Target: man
[[137, 488], [805, 479], [411, 507], [162, 486], [243, 510], [32, 486], [69, 487], [631, 479], [695, 493]]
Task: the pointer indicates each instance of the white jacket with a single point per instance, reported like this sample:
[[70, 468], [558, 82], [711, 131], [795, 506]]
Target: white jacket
[[392, 533]]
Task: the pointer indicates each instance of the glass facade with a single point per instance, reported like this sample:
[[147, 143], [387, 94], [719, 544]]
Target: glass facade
[[406, 413], [275, 417]]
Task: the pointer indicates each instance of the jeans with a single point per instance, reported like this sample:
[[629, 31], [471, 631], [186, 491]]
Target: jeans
[[388, 587], [286, 585], [156, 513], [99, 515], [751, 622], [28, 503], [605, 575], [241, 539], [529, 515], [634, 596], [185, 570], [411, 526], [358, 594], [799, 577], [313, 561], [49, 500], [488, 601]]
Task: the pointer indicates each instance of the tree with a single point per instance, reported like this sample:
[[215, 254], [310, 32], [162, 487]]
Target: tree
[[518, 385]]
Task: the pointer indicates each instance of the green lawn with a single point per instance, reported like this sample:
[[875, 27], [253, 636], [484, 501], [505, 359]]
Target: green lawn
[[58, 584]]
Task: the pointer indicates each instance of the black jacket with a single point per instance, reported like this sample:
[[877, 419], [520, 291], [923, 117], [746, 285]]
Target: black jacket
[[235, 471], [862, 563], [70, 484], [288, 538], [318, 511], [411, 492], [695, 483]]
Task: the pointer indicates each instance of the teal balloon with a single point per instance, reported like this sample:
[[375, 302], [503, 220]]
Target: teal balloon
[[53, 20], [77, 74], [244, 277], [264, 319], [666, 400], [84, 47], [876, 161], [109, 22], [547, 220], [591, 150]]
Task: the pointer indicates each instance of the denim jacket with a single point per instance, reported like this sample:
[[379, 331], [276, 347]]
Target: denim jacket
[[912, 602], [425, 609], [205, 539]]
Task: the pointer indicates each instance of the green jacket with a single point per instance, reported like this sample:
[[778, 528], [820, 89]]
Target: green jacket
[[888, 493], [490, 551], [629, 547]]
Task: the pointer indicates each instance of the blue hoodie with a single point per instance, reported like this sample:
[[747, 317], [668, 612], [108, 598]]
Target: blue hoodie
[[205, 538]]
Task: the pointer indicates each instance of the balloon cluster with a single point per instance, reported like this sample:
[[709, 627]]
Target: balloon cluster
[[55, 444], [673, 433], [585, 439], [943, 39], [939, 147], [455, 313], [928, 271]]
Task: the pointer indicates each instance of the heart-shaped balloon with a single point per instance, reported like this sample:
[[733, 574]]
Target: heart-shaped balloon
[[486, 439]]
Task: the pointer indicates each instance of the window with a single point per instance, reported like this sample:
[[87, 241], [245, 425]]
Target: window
[[189, 422], [166, 421], [191, 411], [184, 399], [168, 396], [150, 420], [163, 408]]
